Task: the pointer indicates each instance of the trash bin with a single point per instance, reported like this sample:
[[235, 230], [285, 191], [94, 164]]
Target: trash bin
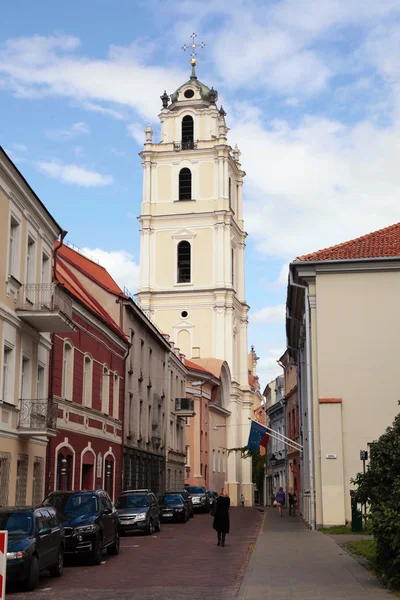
[[356, 514]]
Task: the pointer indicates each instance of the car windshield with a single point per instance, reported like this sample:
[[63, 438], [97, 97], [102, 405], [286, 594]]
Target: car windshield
[[173, 499], [75, 504], [184, 493], [196, 490], [18, 523], [133, 501]]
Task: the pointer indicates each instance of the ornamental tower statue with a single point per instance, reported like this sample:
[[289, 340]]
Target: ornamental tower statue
[[192, 281]]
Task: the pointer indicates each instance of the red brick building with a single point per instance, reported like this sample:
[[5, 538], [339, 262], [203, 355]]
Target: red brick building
[[87, 381]]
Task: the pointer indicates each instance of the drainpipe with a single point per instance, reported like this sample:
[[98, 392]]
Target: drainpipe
[[310, 432], [63, 233]]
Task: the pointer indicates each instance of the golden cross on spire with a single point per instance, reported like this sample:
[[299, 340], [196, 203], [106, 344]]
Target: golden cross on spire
[[192, 46]]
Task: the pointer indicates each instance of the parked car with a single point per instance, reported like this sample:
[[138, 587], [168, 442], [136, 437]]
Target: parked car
[[188, 501], [36, 541], [138, 510], [90, 520], [201, 501], [212, 496], [173, 508]]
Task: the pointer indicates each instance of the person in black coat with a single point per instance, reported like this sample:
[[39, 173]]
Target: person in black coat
[[221, 516]]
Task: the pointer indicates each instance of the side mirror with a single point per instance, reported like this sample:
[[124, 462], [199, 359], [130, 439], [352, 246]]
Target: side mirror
[[44, 531]]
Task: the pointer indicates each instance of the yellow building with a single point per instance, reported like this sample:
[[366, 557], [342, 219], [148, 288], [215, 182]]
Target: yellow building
[[192, 248], [31, 306], [343, 332]]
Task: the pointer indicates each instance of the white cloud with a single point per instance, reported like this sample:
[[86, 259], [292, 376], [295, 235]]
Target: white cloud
[[110, 112], [120, 264], [39, 66], [270, 314], [137, 132], [267, 367], [282, 279], [75, 130], [20, 147], [74, 174]]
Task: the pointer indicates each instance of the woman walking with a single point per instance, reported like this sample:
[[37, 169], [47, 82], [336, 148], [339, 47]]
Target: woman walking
[[292, 502], [221, 516], [280, 498]]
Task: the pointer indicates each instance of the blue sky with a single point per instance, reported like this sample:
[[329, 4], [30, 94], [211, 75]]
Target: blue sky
[[312, 92]]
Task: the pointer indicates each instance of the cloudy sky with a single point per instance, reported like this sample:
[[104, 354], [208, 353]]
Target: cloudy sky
[[312, 92]]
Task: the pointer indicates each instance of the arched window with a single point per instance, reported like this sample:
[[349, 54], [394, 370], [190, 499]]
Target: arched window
[[68, 363], [185, 184], [184, 260], [187, 133], [105, 389], [116, 396], [87, 381]]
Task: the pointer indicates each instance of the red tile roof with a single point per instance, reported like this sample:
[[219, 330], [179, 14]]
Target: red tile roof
[[330, 400], [77, 289], [193, 366], [92, 270], [379, 244]]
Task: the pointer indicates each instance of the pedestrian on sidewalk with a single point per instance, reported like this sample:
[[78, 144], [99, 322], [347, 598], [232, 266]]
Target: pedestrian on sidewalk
[[280, 498], [242, 500], [221, 516], [292, 502]]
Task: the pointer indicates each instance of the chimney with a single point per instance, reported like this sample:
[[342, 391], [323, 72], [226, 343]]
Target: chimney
[[166, 336], [177, 351], [182, 357], [196, 352]]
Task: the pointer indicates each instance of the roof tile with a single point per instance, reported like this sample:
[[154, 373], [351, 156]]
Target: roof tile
[[378, 244]]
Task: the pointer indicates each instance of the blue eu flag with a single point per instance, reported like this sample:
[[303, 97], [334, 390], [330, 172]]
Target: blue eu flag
[[258, 437]]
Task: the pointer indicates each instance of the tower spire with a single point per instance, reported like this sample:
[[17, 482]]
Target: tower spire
[[192, 46]]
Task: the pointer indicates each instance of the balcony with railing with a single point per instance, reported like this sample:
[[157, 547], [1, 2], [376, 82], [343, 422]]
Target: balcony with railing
[[37, 417], [45, 307], [184, 407], [185, 145]]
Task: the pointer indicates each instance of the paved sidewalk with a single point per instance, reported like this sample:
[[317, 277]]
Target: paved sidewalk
[[292, 562]]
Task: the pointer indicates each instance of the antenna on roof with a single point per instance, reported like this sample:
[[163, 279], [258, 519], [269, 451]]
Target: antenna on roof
[[82, 252]]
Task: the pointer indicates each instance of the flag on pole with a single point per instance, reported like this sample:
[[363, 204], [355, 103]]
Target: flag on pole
[[258, 437]]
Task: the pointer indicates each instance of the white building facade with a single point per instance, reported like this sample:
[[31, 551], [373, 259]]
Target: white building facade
[[192, 248]]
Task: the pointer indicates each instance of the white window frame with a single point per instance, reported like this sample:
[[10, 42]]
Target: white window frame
[[14, 247], [219, 461], [116, 395], [87, 381], [26, 377], [6, 372], [41, 382], [68, 370], [45, 268], [105, 390], [213, 461]]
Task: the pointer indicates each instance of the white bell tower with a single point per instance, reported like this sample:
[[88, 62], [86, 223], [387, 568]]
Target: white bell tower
[[192, 281]]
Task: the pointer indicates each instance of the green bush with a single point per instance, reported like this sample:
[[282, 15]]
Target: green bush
[[380, 488]]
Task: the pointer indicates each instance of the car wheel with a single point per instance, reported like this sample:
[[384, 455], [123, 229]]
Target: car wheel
[[150, 529], [33, 578], [113, 550], [158, 526], [57, 569], [97, 552]]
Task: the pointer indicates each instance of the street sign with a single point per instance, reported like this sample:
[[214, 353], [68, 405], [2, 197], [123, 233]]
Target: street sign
[[3, 563], [363, 455]]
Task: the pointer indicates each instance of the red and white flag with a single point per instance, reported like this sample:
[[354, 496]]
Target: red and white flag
[[3, 563]]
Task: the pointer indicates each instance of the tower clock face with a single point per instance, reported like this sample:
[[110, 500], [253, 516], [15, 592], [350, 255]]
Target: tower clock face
[[189, 94]]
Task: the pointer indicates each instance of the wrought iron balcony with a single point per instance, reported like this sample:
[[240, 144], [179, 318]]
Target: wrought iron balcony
[[37, 417], [186, 145], [184, 407], [45, 307]]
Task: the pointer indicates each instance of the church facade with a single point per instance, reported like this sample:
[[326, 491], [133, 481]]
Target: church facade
[[192, 281]]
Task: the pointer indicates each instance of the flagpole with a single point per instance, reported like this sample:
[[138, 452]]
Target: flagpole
[[285, 439]]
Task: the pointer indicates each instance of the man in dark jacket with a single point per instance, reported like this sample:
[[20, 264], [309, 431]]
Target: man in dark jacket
[[221, 516]]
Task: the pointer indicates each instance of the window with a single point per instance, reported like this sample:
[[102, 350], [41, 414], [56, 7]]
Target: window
[[22, 479], [219, 461], [213, 461], [5, 462], [184, 260], [46, 275], [233, 267], [67, 371], [105, 391], [185, 184], [40, 391], [140, 419], [130, 408], [37, 484], [187, 132], [116, 396], [87, 381], [13, 247], [30, 261], [230, 192], [223, 462], [187, 460], [25, 378], [6, 391]]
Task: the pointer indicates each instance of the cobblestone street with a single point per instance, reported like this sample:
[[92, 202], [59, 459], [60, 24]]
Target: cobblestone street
[[183, 561]]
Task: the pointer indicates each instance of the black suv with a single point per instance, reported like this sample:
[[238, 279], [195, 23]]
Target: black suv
[[188, 501], [174, 508], [36, 542], [90, 520], [138, 510]]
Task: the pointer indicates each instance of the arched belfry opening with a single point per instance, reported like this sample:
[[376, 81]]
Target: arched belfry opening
[[184, 262], [185, 184], [187, 133]]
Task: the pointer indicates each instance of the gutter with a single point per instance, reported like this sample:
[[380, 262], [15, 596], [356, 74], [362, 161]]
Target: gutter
[[297, 262], [309, 398]]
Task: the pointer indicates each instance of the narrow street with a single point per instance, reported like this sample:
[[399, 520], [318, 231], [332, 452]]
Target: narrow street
[[182, 561]]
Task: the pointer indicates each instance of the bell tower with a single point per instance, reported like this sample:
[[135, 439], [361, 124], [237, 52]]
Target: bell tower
[[192, 281]]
